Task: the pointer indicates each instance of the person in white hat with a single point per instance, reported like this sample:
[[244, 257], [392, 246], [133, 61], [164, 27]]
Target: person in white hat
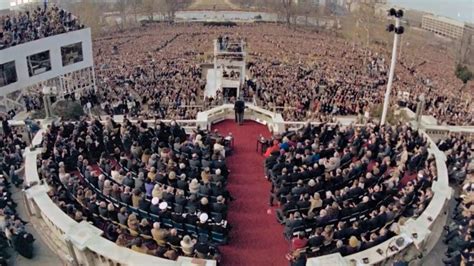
[[163, 205], [203, 217], [154, 208]]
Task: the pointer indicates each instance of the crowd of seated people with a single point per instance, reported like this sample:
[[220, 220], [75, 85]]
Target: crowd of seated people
[[150, 187], [12, 227], [35, 24], [345, 189], [459, 152], [459, 230], [459, 233]]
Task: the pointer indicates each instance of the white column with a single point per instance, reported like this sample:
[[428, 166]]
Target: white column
[[392, 71]]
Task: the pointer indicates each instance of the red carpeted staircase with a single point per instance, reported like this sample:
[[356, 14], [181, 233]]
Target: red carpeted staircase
[[256, 238]]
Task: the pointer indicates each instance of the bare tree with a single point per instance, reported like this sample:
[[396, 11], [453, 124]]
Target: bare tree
[[121, 7], [306, 9], [284, 8], [90, 13], [169, 7], [135, 4], [149, 7], [365, 18], [464, 47]]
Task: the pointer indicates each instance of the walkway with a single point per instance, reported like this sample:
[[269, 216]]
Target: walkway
[[212, 5], [43, 255], [257, 238]]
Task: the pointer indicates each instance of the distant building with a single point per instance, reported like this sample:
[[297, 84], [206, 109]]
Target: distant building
[[443, 26]]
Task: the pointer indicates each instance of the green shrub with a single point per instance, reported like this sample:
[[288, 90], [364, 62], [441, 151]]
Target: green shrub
[[67, 110], [463, 73]]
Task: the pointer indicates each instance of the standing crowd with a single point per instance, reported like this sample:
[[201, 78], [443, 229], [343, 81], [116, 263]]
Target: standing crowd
[[36, 24], [156, 72], [12, 228]]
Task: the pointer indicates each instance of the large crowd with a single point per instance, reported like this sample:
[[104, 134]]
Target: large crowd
[[298, 73], [35, 24], [158, 190], [13, 232], [459, 230], [155, 71], [346, 189], [150, 187]]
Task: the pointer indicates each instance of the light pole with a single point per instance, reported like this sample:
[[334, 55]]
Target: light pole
[[398, 30]]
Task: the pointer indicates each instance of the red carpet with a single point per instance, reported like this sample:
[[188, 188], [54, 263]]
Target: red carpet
[[256, 237]]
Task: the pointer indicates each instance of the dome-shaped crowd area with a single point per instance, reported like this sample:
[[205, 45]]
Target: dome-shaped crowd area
[[155, 71], [303, 74], [150, 187]]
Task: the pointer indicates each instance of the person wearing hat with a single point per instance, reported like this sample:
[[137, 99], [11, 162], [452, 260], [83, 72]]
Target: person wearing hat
[[159, 234], [164, 213], [154, 208], [194, 186], [203, 220]]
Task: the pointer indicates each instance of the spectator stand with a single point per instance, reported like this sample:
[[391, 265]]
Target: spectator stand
[[427, 226], [78, 243], [419, 235]]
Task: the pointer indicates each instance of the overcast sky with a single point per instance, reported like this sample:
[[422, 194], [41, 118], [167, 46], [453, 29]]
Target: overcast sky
[[4, 4], [462, 10]]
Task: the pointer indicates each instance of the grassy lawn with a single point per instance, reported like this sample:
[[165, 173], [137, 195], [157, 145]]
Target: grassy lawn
[[212, 4]]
